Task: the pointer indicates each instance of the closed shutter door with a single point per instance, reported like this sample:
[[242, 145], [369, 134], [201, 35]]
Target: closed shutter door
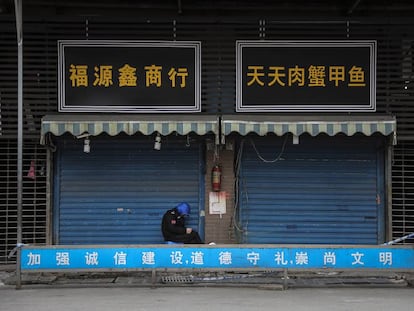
[[118, 193], [326, 190]]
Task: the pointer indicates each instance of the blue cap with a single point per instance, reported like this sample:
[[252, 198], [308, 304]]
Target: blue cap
[[183, 208]]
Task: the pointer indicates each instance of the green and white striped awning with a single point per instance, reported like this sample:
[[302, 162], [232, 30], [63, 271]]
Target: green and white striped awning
[[129, 124], [313, 125]]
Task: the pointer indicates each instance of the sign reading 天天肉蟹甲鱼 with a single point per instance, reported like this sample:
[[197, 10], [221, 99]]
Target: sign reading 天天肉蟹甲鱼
[[307, 76], [129, 76]]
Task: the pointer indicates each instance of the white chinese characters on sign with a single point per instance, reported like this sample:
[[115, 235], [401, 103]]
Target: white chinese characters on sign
[[91, 259], [197, 258], [210, 258], [385, 258], [176, 258], [301, 258], [120, 259], [148, 258], [280, 259], [358, 258], [225, 258], [33, 260], [253, 258], [62, 259], [329, 258]]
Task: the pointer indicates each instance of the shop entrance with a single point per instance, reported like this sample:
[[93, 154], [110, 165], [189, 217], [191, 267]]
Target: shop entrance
[[323, 190], [118, 192]]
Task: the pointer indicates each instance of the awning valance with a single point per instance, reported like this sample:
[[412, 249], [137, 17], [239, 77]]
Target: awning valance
[[313, 125], [130, 124]]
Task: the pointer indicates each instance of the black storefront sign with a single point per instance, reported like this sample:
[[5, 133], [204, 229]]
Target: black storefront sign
[[129, 76], [306, 76]]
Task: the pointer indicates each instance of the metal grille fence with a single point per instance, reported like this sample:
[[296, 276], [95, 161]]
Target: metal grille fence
[[33, 200], [403, 191]]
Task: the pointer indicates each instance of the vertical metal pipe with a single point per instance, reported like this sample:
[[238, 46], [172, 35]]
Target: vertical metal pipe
[[48, 199], [18, 9], [388, 189]]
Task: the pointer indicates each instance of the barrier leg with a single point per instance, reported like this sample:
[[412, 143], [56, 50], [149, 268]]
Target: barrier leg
[[285, 279], [153, 278]]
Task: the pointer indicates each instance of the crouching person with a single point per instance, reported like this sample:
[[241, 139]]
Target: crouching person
[[173, 226]]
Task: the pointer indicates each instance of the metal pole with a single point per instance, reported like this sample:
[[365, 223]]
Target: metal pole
[[19, 31]]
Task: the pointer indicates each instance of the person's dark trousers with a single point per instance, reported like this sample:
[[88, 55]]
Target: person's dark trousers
[[192, 238]]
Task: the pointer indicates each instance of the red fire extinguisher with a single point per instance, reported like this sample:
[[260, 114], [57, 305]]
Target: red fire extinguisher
[[216, 178]]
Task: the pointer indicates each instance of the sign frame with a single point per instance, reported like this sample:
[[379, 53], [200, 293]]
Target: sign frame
[[65, 106], [292, 107], [225, 257]]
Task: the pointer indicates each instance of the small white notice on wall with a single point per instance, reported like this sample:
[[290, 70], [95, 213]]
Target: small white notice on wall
[[217, 202]]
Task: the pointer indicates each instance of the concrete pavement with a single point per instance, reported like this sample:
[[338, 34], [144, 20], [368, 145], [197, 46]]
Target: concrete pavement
[[258, 279], [204, 299], [339, 291]]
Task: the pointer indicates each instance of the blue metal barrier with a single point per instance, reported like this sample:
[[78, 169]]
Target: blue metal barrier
[[226, 257]]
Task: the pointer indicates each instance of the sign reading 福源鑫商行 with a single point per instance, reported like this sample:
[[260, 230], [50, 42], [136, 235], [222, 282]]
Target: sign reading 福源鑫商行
[[129, 76], [215, 257], [306, 76]]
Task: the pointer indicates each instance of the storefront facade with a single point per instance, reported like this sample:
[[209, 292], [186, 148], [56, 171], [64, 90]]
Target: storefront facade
[[297, 166], [323, 187], [118, 189]]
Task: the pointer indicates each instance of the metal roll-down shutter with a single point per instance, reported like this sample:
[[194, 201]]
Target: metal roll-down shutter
[[117, 193], [324, 190]]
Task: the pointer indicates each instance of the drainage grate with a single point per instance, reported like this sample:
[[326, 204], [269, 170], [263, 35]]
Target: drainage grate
[[177, 279]]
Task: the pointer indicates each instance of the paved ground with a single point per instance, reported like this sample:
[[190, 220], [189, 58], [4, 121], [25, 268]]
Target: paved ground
[[204, 298], [338, 291], [258, 279]]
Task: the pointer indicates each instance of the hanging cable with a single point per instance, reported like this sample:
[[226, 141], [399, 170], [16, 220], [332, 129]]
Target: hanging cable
[[188, 142], [239, 183], [275, 159], [216, 156], [236, 180]]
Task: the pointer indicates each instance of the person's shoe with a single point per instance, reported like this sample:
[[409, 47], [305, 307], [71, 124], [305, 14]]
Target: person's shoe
[[211, 243]]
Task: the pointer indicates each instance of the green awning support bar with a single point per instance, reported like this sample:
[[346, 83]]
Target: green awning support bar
[[227, 124], [312, 125], [129, 124]]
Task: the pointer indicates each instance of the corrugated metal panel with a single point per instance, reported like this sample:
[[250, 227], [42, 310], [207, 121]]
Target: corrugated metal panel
[[118, 192], [323, 190]]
